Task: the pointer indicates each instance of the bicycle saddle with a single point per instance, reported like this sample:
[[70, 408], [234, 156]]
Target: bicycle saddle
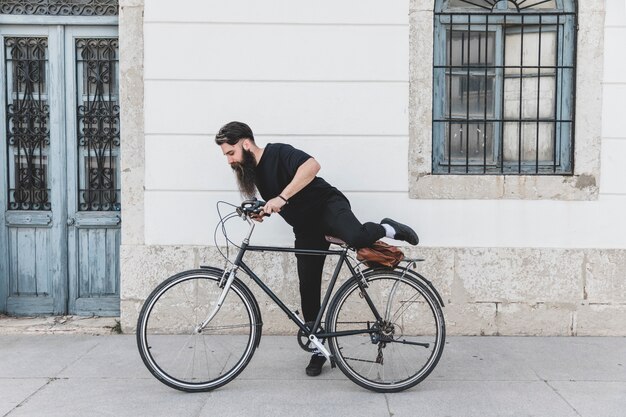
[[335, 240]]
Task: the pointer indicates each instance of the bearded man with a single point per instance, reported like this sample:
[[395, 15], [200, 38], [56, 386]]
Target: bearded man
[[287, 180]]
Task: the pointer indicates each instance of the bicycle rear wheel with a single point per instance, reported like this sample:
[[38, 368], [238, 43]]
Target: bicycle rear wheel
[[177, 351], [404, 347]]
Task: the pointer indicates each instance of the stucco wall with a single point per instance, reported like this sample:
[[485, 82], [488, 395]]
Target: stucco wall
[[337, 85]]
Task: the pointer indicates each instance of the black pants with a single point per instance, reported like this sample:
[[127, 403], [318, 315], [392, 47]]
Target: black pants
[[335, 219]]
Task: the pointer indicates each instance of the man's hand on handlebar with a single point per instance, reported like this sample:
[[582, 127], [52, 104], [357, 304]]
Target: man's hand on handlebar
[[274, 205], [258, 217]]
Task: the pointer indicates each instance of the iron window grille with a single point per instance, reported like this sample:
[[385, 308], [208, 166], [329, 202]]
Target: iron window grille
[[98, 123], [60, 7], [504, 80], [28, 122]]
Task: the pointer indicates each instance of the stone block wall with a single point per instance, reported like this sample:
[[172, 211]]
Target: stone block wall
[[487, 291]]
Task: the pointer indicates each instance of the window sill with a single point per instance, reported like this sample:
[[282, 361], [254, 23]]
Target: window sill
[[519, 187]]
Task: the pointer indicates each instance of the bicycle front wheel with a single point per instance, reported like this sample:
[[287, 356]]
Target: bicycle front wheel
[[401, 349], [181, 354]]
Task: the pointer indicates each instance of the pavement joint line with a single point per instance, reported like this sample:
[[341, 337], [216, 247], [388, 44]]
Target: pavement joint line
[[80, 357], [545, 381], [483, 380], [209, 397], [31, 377], [50, 380], [388, 408], [562, 397]]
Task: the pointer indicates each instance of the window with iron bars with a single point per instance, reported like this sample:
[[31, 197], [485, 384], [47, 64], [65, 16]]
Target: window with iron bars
[[504, 80]]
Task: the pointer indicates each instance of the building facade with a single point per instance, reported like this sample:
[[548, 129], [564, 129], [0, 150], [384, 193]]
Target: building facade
[[492, 127]]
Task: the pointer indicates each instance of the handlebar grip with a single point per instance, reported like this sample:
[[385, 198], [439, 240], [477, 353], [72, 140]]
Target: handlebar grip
[[253, 206]]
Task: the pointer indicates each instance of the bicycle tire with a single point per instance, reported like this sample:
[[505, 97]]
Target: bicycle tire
[[389, 360], [183, 358]]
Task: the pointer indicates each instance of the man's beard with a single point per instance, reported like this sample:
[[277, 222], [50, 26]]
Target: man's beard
[[245, 174]]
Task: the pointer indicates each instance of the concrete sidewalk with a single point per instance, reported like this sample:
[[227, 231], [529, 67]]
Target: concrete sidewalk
[[87, 375]]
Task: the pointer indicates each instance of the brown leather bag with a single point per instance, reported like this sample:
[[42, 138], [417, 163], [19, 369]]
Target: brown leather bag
[[380, 254]]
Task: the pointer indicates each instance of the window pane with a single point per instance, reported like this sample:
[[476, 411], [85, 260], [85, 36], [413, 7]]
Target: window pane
[[452, 4], [537, 98], [529, 58], [469, 140], [527, 134], [29, 183], [478, 92], [469, 91], [535, 4], [100, 179], [471, 48]]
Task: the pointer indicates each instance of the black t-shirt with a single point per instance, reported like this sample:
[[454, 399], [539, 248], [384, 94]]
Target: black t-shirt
[[276, 169]]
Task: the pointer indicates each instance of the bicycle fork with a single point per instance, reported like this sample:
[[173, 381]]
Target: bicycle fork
[[231, 277], [220, 300]]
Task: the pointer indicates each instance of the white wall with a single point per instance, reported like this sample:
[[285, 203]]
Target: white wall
[[614, 130], [332, 79]]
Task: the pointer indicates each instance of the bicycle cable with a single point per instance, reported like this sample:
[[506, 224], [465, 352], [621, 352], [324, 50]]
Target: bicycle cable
[[221, 223]]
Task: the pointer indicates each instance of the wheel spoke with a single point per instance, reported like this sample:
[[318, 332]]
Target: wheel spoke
[[224, 327], [406, 342]]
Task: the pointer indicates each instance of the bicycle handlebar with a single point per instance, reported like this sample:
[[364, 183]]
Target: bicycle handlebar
[[252, 206]]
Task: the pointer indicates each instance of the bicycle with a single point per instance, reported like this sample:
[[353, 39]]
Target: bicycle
[[385, 328]]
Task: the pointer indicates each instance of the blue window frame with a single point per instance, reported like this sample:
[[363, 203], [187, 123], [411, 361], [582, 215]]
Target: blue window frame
[[503, 87]]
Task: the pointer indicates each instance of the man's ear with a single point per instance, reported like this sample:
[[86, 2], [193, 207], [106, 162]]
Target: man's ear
[[246, 144]]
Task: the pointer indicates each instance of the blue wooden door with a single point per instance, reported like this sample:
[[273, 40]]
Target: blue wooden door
[[59, 116], [93, 120], [32, 236]]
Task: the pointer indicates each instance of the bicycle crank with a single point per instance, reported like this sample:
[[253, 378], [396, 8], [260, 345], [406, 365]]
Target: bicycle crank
[[304, 342], [303, 339]]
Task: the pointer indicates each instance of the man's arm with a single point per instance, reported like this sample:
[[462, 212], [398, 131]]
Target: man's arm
[[304, 175]]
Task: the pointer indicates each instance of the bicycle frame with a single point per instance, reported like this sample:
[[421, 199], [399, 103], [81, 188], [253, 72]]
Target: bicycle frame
[[311, 334]]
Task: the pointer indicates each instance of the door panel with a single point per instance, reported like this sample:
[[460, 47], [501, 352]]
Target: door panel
[[97, 278], [29, 279], [32, 238], [93, 170]]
